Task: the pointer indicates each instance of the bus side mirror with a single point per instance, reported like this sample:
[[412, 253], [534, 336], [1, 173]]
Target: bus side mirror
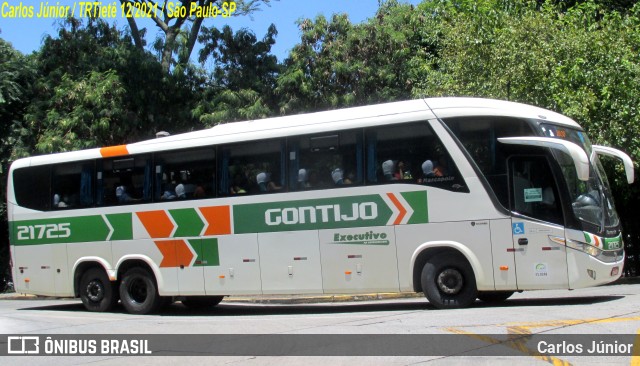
[[579, 157], [626, 160]]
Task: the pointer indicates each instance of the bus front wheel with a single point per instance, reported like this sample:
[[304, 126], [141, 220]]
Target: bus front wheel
[[138, 292], [448, 282], [96, 291]]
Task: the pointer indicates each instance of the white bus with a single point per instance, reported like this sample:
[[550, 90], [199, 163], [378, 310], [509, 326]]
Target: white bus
[[458, 198]]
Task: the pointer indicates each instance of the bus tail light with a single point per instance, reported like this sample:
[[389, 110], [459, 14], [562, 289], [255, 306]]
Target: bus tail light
[[614, 271]]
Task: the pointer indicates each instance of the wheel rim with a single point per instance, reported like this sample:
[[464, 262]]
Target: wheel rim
[[450, 281], [138, 290], [95, 291]]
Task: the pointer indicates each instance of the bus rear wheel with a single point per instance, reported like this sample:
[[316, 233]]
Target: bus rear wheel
[[138, 292], [201, 302], [448, 282], [96, 291], [494, 297]]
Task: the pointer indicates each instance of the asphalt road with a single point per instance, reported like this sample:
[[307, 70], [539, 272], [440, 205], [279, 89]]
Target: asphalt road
[[601, 311]]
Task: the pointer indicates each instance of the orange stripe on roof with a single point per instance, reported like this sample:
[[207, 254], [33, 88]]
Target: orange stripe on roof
[[111, 151], [219, 219]]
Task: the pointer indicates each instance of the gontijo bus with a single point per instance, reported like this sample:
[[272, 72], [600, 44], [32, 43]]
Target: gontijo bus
[[458, 198]]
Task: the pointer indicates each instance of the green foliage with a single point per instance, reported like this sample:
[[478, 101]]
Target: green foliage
[[84, 112], [242, 82], [180, 31], [16, 77], [95, 88], [338, 64], [582, 62]]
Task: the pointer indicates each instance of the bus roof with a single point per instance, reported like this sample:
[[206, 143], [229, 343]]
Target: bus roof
[[459, 107], [318, 122]]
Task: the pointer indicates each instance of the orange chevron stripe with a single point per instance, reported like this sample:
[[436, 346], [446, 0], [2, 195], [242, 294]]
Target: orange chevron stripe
[[403, 211], [219, 219], [157, 223], [174, 253]]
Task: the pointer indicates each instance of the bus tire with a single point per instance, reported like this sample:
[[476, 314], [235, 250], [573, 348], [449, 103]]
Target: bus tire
[[448, 282], [201, 302], [494, 297], [138, 292], [96, 291]]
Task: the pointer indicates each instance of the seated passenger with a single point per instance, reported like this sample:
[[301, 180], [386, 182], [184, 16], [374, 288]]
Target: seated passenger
[[387, 169], [122, 195], [57, 202], [264, 182], [427, 169], [338, 177], [180, 191], [303, 179], [402, 172], [237, 187], [441, 169]]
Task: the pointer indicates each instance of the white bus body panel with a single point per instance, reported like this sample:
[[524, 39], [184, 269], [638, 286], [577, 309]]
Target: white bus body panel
[[290, 262], [239, 269], [504, 266], [43, 270], [350, 266], [541, 263]]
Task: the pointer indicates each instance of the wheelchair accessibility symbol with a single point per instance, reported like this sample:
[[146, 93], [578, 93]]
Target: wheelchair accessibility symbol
[[518, 228]]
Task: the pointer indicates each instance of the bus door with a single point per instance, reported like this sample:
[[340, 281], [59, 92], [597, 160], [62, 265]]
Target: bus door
[[537, 224]]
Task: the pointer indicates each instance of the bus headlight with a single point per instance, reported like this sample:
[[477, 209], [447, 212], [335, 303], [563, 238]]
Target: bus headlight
[[584, 247], [609, 256]]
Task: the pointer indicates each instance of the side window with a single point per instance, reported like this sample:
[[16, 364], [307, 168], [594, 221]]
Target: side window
[[73, 185], [410, 153], [185, 174], [331, 160], [32, 187], [253, 167], [479, 136], [126, 180], [533, 190]]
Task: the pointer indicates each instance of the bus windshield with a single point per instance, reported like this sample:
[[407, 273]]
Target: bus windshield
[[591, 200]]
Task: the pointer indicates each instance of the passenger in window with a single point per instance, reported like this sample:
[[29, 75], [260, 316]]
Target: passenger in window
[[57, 202], [427, 169], [441, 169], [313, 181], [338, 177], [199, 192], [402, 172], [265, 184], [388, 169], [122, 195], [168, 195], [180, 191], [303, 179], [237, 187]]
